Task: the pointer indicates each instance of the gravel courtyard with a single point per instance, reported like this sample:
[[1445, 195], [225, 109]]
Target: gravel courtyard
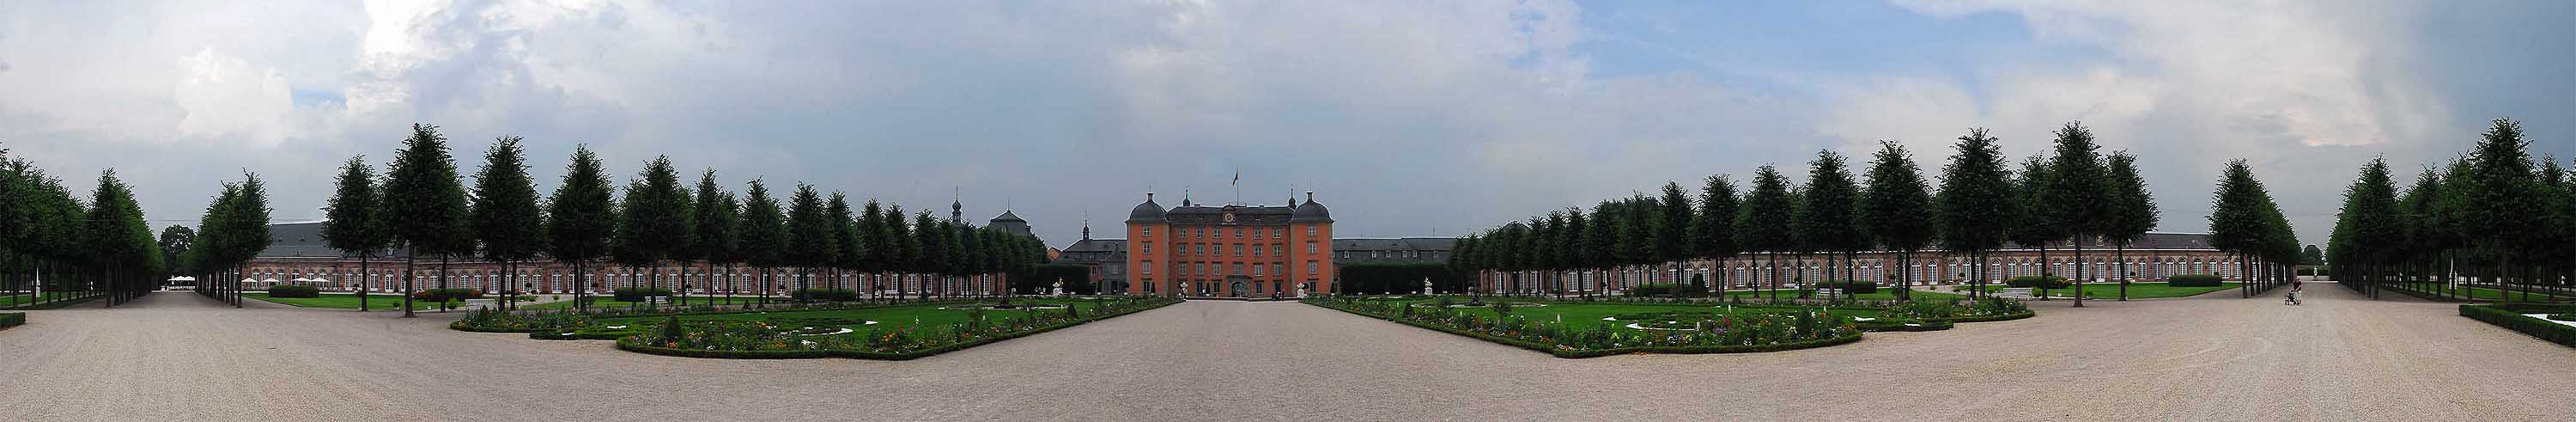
[[175, 356]]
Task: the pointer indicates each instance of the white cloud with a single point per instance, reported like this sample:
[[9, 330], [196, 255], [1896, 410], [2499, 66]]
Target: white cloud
[[226, 97]]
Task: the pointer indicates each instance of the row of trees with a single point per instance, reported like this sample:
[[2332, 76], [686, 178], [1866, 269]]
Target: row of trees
[[233, 230], [59, 247], [1983, 204], [421, 207], [2489, 218]]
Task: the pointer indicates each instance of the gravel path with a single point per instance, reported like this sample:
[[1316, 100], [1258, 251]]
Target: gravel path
[[176, 356]]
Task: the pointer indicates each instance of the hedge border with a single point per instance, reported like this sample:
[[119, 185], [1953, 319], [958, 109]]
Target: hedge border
[[2544, 329], [2006, 317], [1579, 354], [12, 319], [633, 343], [457, 325], [57, 304]]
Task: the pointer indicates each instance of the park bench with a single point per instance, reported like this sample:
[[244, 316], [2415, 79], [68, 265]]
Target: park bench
[[2014, 293], [1829, 292]]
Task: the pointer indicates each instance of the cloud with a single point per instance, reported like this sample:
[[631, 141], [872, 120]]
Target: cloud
[[1409, 118]]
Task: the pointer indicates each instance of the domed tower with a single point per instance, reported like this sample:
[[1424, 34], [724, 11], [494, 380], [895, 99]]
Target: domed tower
[[1310, 250], [1146, 226]]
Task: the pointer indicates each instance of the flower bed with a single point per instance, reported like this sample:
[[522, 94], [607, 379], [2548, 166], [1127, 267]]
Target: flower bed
[[1689, 326], [770, 340], [1709, 332]]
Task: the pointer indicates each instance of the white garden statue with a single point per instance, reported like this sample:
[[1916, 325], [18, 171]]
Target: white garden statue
[[1426, 286], [1058, 290]]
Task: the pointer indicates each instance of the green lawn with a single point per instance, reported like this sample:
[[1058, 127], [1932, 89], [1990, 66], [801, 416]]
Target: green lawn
[[2136, 290], [854, 319], [2482, 293], [30, 298], [375, 302]]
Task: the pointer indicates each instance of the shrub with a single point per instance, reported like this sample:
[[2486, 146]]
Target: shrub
[[2193, 280], [2563, 317], [2038, 281], [294, 291], [835, 295], [1666, 289], [445, 295], [638, 294], [1850, 287], [2545, 330], [12, 319]]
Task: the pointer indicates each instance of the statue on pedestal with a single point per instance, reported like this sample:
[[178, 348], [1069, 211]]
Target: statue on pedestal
[[1426, 286]]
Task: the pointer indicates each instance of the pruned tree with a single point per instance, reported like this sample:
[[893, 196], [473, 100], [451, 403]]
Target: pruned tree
[[426, 206], [1891, 210], [1764, 223], [2133, 211], [355, 225], [1975, 206], [580, 218], [506, 215]]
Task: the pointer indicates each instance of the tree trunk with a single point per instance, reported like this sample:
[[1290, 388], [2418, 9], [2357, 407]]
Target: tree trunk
[[2079, 271], [409, 261]]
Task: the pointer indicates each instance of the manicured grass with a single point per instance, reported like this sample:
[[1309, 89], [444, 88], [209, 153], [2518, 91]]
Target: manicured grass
[[2482, 293], [2136, 290], [375, 302]]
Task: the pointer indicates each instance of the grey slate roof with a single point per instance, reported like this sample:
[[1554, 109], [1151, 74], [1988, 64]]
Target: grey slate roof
[[1395, 244], [1243, 214], [1312, 211], [1147, 212], [304, 240]]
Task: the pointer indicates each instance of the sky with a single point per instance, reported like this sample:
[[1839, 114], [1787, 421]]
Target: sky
[[1406, 118]]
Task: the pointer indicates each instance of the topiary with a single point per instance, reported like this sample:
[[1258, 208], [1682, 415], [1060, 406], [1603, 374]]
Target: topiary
[[671, 329], [2038, 282], [294, 291], [2193, 280]]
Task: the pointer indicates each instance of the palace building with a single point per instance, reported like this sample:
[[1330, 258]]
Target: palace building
[[1231, 250]]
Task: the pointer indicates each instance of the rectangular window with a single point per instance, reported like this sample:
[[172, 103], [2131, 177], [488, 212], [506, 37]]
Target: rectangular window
[[1146, 267], [1310, 247], [1310, 267], [1256, 250], [1238, 268], [1149, 248], [1256, 270], [1274, 269], [1149, 231], [1238, 232], [1238, 250], [1310, 231]]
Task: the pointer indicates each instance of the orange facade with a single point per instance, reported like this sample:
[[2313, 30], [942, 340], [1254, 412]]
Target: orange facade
[[1230, 250]]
